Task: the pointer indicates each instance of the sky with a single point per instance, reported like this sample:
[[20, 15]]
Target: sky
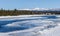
[[21, 4]]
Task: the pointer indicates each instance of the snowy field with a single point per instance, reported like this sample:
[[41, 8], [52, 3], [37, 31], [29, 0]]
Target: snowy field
[[30, 25]]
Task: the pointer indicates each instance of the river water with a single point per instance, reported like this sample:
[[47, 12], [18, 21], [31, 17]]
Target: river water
[[31, 22]]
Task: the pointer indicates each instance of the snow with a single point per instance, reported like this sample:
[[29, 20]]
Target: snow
[[41, 9], [30, 25]]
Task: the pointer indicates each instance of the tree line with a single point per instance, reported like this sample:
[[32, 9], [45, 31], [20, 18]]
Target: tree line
[[24, 12]]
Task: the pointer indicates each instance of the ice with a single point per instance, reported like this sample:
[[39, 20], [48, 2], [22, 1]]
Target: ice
[[30, 25]]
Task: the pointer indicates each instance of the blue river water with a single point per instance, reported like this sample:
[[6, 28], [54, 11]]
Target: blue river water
[[23, 24]]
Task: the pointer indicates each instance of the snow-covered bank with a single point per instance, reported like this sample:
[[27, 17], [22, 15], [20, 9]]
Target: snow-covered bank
[[25, 16], [30, 25], [19, 16]]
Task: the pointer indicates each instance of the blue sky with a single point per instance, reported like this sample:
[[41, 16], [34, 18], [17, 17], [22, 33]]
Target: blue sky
[[11, 4]]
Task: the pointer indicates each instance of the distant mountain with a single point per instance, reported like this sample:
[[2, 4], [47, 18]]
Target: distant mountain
[[43, 9]]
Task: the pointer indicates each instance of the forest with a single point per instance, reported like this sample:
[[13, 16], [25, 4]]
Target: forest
[[25, 12]]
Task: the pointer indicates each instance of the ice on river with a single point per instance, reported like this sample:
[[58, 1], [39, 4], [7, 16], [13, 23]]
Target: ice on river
[[30, 25]]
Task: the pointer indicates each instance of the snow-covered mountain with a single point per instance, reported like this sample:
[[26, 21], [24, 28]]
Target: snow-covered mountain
[[43, 9]]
